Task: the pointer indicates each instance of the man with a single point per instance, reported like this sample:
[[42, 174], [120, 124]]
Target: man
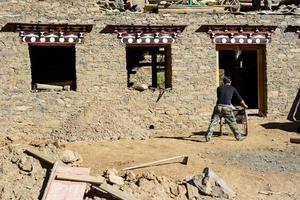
[[225, 93]]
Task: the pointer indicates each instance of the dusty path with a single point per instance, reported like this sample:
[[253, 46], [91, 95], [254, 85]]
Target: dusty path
[[265, 161]]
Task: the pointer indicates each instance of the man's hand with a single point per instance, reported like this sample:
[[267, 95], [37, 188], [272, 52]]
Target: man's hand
[[244, 104]]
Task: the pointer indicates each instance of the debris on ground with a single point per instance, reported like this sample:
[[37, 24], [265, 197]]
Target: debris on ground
[[98, 122], [211, 184], [118, 5]]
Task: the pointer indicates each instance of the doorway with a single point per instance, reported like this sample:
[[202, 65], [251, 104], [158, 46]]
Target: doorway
[[246, 67], [54, 65]]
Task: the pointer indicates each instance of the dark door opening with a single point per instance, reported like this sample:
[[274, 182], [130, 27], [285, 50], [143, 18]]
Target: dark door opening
[[54, 65], [242, 67], [150, 65]]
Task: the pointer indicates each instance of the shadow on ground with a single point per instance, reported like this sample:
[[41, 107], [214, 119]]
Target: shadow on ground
[[194, 137], [285, 126]]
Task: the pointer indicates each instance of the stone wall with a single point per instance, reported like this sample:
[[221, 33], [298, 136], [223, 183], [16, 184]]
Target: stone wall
[[101, 69]]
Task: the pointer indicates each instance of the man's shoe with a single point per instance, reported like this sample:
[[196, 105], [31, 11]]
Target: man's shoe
[[207, 138]]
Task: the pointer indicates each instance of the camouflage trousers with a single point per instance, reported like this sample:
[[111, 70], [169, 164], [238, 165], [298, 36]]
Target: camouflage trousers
[[227, 114]]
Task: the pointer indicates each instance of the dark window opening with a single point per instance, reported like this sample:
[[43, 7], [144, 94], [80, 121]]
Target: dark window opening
[[150, 65], [241, 66], [53, 65]]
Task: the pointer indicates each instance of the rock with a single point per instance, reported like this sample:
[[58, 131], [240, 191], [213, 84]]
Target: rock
[[14, 159], [12, 138], [174, 189], [115, 179], [58, 144], [211, 184], [141, 87], [130, 176], [142, 182], [22, 108], [69, 156], [182, 190], [107, 172], [149, 176], [111, 175], [297, 11], [72, 139], [25, 164]]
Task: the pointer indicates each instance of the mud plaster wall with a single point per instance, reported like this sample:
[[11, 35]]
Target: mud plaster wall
[[101, 69]]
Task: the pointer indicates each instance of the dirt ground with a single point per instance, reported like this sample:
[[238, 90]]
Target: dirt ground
[[263, 166], [265, 161]]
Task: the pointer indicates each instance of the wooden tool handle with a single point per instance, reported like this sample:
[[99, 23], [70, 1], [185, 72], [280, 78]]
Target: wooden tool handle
[[154, 162]]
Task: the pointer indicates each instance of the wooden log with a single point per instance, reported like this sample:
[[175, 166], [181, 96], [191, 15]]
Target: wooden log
[[40, 86], [101, 185], [295, 140]]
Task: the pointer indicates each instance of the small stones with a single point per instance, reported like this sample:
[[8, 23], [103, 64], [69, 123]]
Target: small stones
[[111, 175], [130, 176], [115, 179], [25, 164], [72, 139], [141, 87]]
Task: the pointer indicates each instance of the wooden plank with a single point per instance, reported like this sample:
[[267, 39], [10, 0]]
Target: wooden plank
[[194, 10], [154, 69], [51, 178], [40, 86], [66, 190], [42, 157], [295, 140], [168, 72], [114, 192], [89, 179], [101, 185]]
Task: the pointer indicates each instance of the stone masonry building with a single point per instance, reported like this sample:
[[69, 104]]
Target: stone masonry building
[[260, 52]]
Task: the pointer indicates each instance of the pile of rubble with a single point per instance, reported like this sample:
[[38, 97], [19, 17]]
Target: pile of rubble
[[98, 122], [25, 171]]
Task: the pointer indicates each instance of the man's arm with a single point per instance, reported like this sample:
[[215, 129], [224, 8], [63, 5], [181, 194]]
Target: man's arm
[[243, 104]]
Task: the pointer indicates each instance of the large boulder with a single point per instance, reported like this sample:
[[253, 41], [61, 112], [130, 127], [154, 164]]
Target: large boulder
[[211, 184]]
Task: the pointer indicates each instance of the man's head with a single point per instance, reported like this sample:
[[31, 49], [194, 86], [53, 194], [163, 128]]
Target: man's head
[[227, 80]]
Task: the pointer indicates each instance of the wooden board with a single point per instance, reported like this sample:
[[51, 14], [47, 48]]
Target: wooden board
[[101, 185], [62, 189]]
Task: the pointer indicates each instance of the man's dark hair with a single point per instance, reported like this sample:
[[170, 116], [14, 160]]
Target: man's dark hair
[[226, 80]]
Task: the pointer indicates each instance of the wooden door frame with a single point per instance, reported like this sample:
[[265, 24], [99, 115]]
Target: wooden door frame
[[261, 71]]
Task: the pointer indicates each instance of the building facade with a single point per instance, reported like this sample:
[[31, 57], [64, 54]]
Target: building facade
[[260, 52]]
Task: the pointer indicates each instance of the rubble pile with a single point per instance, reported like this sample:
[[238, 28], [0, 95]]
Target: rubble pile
[[98, 122], [31, 176]]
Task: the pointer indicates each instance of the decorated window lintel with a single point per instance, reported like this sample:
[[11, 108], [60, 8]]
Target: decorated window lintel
[[239, 34], [49, 33], [145, 34]]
